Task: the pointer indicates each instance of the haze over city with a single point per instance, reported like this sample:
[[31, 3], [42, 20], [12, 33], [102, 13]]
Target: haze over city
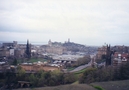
[[89, 22]]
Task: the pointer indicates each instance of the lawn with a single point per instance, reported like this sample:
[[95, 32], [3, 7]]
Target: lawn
[[70, 68], [80, 71]]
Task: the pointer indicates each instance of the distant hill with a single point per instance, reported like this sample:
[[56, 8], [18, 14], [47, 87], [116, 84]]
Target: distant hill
[[111, 85]]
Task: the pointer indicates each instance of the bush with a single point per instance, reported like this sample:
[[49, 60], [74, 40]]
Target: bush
[[105, 74]]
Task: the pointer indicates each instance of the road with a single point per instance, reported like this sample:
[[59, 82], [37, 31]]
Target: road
[[83, 66], [80, 67]]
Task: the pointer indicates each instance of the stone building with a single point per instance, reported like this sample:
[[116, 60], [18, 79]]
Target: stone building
[[119, 58], [53, 48], [12, 44], [19, 53], [4, 53], [101, 51]]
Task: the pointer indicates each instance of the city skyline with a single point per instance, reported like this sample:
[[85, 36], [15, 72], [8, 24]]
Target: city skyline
[[93, 22]]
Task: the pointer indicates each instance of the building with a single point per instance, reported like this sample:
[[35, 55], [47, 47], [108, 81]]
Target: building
[[119, 58], [12, 44], [108, 55], [28, 49], [19, 53], [11, 51], [53, 48], [4, 53], [101, 51]]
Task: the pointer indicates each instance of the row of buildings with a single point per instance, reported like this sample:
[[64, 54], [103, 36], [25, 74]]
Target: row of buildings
[[18, 50], [67, 48], [115, 55], [12, 49]]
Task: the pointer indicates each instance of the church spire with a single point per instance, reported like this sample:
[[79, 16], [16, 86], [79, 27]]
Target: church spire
[[28, 49]]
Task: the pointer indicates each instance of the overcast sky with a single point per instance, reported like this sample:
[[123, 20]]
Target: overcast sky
[[89, 22]]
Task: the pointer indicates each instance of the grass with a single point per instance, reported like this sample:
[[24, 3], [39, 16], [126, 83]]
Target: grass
[[71, 68], [111, 85], [97, 87], [32, 60], [80, 72], [64, 87], [77, 82]]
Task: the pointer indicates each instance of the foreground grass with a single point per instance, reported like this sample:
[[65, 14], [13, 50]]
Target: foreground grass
[[97, 87], [111, 85], [65, 87]]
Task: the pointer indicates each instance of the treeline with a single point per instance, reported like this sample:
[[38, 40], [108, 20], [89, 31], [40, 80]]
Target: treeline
[[109, 73], [39, 79], [43, 78]]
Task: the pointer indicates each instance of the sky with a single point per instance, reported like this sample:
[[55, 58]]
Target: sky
[[88, 22]]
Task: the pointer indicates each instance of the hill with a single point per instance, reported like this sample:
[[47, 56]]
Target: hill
[[65, 87], [110, 85]]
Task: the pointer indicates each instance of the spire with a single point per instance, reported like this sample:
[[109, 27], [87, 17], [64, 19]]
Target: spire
[[108, 55], [50, 43], [28, 49], [27, 41], [68, 40]]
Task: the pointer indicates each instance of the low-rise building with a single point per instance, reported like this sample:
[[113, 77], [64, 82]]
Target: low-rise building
[[119, 58], [101, 51], [37, 67], [4, 53]]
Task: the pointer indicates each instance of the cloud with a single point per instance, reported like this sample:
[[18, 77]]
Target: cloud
[[83, 21]]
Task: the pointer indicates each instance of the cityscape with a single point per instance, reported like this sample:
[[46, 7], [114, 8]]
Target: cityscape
[[68, 57], [64, 45]]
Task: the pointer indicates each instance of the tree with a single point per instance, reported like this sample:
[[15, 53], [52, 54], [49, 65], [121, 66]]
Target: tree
[[69, 78], [20, 73], [88, 76], [15, 62]]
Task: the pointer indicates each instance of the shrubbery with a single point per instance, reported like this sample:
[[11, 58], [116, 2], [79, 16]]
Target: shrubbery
[[39, 79], [105, 74]]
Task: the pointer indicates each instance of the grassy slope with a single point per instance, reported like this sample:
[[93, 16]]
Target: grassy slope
[[65, 87], [111, 85]]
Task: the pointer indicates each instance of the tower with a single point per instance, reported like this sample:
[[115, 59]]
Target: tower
[[108, 55], [68, 40], [50, 43], [28, 50]]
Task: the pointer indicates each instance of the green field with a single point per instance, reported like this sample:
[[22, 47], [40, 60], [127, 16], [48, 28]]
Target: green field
[[70, 68]]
